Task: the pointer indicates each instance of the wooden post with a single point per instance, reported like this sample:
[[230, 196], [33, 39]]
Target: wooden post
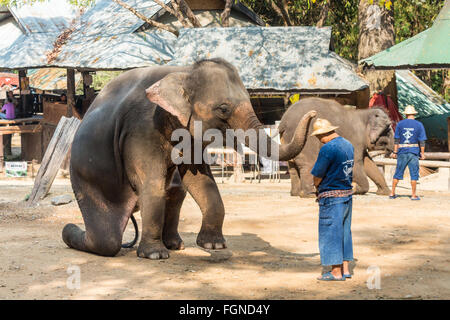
[[1, 153], [70, 92]]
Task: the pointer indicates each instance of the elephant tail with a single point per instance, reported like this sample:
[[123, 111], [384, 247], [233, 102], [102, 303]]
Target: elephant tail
[[136, 235]]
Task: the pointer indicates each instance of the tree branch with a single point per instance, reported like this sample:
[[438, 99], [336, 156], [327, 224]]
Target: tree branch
[[277, 10], [225, 16], [173, 12], [180, 18], [323, 14], [285, 12], [189, 14], [151, 22]]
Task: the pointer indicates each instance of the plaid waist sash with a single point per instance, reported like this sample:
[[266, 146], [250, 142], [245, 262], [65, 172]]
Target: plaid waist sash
[[408, 145], [335, 194]]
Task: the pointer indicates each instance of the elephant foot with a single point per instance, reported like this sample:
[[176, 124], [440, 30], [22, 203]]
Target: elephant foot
[[307, 194], [295, 193], [154, 250], [173, 242], [211, 240], [384, 192]]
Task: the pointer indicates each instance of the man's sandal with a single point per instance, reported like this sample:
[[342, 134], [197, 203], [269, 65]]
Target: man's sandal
[[393, 197], [346, 275], [416, 198], [329, 277]]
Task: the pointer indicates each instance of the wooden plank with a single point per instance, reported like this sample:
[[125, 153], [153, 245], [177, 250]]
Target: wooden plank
[[70, 92], [53, 158], [19, 120], [29, 128], [425, 163]]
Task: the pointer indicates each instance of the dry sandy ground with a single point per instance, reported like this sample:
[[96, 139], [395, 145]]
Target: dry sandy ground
[[272, 254]]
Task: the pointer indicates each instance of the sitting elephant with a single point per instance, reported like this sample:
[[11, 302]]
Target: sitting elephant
[[366, 129], [121, 155]]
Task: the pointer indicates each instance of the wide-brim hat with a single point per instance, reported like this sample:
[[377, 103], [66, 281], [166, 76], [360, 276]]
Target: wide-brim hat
[[322, 126], [410, 110]]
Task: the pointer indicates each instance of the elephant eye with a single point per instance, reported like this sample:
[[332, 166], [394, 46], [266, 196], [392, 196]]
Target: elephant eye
[[223, 110]]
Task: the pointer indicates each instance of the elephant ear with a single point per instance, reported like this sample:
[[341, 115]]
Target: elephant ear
[[169, 94]]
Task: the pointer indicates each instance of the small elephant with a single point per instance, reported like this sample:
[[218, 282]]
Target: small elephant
[[366, 129], [121, 158]]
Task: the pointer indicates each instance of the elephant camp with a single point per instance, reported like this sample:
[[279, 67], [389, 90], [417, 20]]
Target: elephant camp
[[148, 158]]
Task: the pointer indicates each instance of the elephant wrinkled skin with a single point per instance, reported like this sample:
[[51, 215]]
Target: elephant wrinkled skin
[[121, 155], [366, 129]]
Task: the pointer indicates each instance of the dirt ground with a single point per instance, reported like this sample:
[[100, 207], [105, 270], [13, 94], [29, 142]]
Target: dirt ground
[[272, 250]]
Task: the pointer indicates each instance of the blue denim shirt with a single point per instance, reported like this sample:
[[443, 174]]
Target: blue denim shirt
[[334, 165]]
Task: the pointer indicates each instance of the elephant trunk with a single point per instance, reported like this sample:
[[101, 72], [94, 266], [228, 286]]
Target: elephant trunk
[[245, 118]]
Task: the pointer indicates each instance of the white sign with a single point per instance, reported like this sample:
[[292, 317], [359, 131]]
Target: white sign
[[16, 169]]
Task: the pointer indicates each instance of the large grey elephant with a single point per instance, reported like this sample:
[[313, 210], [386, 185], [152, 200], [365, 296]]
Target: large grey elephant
[[121, 155], [366, 129]]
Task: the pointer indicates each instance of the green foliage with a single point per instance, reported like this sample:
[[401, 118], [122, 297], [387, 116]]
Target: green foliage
[[18, 3], [101, 78]]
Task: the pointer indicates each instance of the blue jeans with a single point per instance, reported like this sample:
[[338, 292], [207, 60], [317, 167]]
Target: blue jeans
[[335, 235], [407, 159]]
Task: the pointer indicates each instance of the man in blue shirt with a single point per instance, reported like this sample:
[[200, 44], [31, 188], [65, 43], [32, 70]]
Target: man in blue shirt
[[409, 145], [333, 175]]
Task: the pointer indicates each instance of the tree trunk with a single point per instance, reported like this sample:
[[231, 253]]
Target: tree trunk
[[189, 14], [151, 22], [225, 16], [323, 14], [278, 11], [376, 33]]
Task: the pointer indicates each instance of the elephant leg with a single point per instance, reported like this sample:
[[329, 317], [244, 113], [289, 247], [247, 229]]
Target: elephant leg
[[175, 197], [295, 179], [306, 181], [200, 183], [376, 176], [360, 178], [152, 203], [104, 221]]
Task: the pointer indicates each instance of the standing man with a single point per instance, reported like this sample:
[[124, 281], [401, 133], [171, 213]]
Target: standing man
[[409, 142], [333, 174]]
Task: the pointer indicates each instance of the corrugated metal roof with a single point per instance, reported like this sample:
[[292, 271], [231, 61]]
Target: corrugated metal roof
[[121, 51], [272, 58], [103, 38], [9, 33], [107, 18], [50, 78], [45, 17], [428, 49]]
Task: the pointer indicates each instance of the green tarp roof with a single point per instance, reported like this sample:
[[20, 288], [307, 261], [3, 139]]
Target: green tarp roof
[[432, 109], [429, 49]]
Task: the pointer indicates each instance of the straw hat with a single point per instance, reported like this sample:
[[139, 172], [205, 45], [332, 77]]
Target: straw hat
[[410, 110], [322, 126]]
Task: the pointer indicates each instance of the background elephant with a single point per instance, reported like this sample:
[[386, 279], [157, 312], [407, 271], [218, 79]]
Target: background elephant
[[366, 129], [121, 155]]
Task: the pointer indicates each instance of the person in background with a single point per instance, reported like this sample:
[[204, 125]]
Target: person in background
[[333, 175], [63, 98], [409, 146], [9, 109]]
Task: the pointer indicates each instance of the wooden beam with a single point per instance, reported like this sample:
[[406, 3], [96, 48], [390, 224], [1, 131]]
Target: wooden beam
[[22, 87], [29, 128], [70, 92], [53, 158], [425, 163]]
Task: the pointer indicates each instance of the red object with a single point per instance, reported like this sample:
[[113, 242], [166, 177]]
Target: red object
[[9, 79], [385, 102]]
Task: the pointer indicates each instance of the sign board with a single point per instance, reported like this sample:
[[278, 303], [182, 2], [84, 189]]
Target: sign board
[[16, 169]]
